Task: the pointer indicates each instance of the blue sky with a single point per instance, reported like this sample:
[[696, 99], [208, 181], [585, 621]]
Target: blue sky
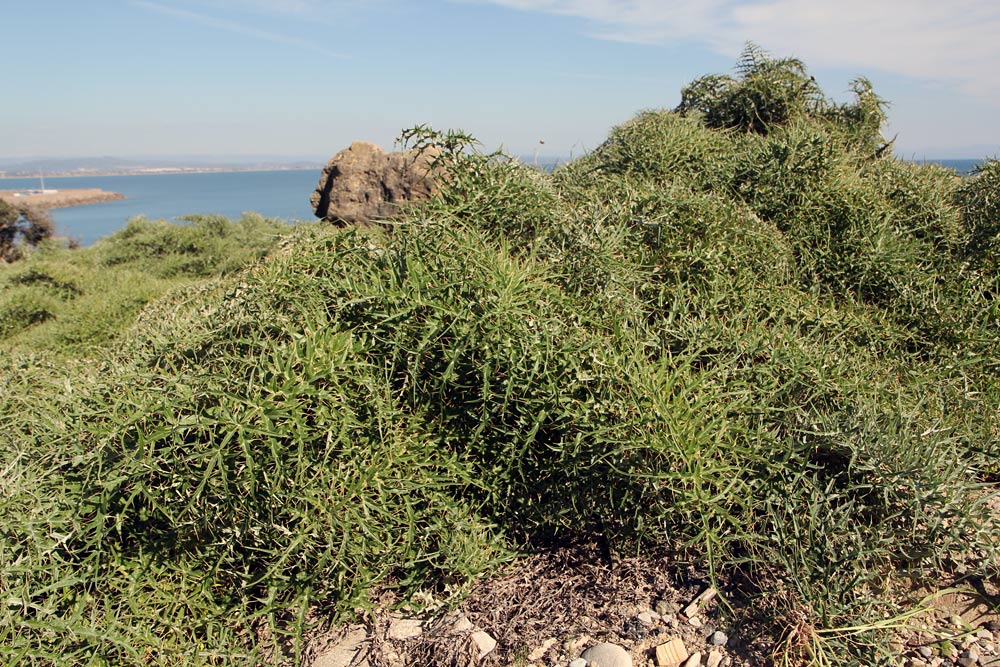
[[306, 77]]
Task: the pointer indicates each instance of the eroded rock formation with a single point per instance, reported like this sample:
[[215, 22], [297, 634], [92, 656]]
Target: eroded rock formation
[[364, 183]]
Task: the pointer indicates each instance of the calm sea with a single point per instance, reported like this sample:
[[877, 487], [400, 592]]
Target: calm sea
[[279, 194]]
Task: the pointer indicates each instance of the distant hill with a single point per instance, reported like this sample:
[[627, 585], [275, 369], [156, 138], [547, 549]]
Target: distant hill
[[14, 167]]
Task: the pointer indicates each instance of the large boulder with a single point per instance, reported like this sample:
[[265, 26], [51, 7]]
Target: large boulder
[[364, 183]]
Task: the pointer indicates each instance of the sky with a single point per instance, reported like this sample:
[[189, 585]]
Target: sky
[[305, 78]]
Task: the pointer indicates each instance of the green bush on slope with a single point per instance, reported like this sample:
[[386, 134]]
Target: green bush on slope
[[62, 299]]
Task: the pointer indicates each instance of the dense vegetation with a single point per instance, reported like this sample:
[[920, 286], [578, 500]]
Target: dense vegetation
[[740, 331], [70, 301]]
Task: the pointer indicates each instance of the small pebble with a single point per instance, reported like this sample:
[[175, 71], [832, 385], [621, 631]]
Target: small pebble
[[646, 617], [985, 635], [579, 662], [714, 659], [485, 643], [926, 651], [405, 628], [462, 625], [917, 662], [968, 658], [695, 621], [718, 638], [694, 660]]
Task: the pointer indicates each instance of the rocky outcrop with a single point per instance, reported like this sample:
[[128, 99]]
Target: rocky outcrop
[[364, 183]]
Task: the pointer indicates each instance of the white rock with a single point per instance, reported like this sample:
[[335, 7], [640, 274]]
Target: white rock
[[695, 622], [405, 628], [703, 598], [484, 642], [579, 662], [694, 660], [607, 655], [646, 618], [462, 625], [718, 638], [671, 653], [714, 659]]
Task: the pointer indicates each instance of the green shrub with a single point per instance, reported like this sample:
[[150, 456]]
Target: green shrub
[[88, 296], [206, 245], [979, 201]]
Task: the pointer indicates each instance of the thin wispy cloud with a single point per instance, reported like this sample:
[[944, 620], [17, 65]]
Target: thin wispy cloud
[[236, 27], [953, 43]]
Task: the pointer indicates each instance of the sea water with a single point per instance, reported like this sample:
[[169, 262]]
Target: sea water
[[272, 194]]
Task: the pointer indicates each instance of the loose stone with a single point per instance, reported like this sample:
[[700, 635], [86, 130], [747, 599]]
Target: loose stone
[[484, 642], [693, 661], [926, 651], [405, 628], [462, 625], [671, 653], [578, 662], [646, 618], [718, 638], [968, 658], [714, 659], [695, 621], [704, 597], [607, 655]]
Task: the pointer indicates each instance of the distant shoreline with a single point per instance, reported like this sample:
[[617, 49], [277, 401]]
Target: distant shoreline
[[60, 198], [155, 171]]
